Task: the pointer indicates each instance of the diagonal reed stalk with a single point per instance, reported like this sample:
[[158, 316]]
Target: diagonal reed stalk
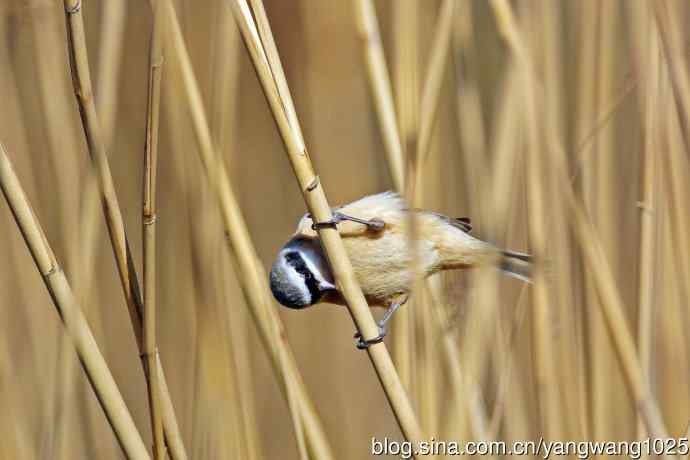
[[379, 80], [62, 152], [257, 35], [462, 384], [612, 306], [75, 323], [79, 66], [149, 231], [253, 279]]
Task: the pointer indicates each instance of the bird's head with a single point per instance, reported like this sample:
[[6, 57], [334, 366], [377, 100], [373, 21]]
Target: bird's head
[[300, 276]]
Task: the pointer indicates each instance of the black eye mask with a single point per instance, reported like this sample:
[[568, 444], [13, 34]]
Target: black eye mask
[[295, 260]]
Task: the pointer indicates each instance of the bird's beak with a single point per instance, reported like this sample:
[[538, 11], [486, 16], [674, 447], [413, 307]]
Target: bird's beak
[[328, 286]]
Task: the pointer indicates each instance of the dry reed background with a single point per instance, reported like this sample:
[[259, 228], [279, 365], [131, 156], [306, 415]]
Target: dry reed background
[[544, 108]]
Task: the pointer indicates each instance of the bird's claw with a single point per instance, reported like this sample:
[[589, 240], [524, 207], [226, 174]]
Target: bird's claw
[[364, 344], [372, 224]]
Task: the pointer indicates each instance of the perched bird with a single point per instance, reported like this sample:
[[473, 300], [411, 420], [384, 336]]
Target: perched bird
[[375, 233]]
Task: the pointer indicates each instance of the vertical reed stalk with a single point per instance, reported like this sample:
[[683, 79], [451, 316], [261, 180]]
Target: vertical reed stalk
[[224, 121], [612, 307], [81, 79], [469, 110], [611, 304], [254, 280], [149, 230], [500, 191], [259, 40], [406, 85], [545, 370], [594, 345], [551, 66], [673, 52], [418, 160], [649, 209], [605, 218], [680, 84], [380, 87], [60, 291], [112, 29], [433, 80], [379, 81]]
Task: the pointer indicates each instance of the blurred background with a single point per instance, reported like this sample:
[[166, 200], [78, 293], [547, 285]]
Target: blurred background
[[598, 108]]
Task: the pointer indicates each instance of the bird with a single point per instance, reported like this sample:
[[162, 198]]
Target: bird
[[374, 231]]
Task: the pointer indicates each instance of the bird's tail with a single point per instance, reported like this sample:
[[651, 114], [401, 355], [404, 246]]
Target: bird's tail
[[517, 265]]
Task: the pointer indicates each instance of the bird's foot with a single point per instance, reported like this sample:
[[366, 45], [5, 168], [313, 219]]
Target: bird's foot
[[338, 217], [364, 344]]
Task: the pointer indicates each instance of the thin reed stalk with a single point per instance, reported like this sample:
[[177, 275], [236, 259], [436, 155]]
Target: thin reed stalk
[[406, 85], [612, 307], [79, 66], [606, 219], [81, 79], [597, 264], [418, 161], [76, 326], [253, 279], [671, 44], [498, 190], [469, 110], [545, 370], [62, 152], [223, 124], [380, 87], [550, 64], [149, 231], [649, 206], [111, 46], [678, 163], [433, 80], [594, 345], [379, 81], [259, 40]]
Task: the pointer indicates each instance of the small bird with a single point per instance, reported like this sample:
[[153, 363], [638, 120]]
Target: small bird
[[375, 233]]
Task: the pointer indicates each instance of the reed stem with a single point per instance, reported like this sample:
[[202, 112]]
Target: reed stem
[[77, 328], [545, 371], [253, 279], [257, 35], [149, 231], [81, 80]]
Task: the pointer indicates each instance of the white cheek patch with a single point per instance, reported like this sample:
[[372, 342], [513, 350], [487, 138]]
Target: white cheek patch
[[296, 280], [317, 274]]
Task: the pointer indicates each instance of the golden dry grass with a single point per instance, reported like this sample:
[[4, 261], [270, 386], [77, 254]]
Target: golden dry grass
[[560, 127]]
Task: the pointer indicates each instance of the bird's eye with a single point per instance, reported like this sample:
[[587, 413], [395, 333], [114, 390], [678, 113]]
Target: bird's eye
[[308, 275]]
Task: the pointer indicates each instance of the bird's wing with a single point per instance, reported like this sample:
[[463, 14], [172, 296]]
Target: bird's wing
[[462, 223]]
